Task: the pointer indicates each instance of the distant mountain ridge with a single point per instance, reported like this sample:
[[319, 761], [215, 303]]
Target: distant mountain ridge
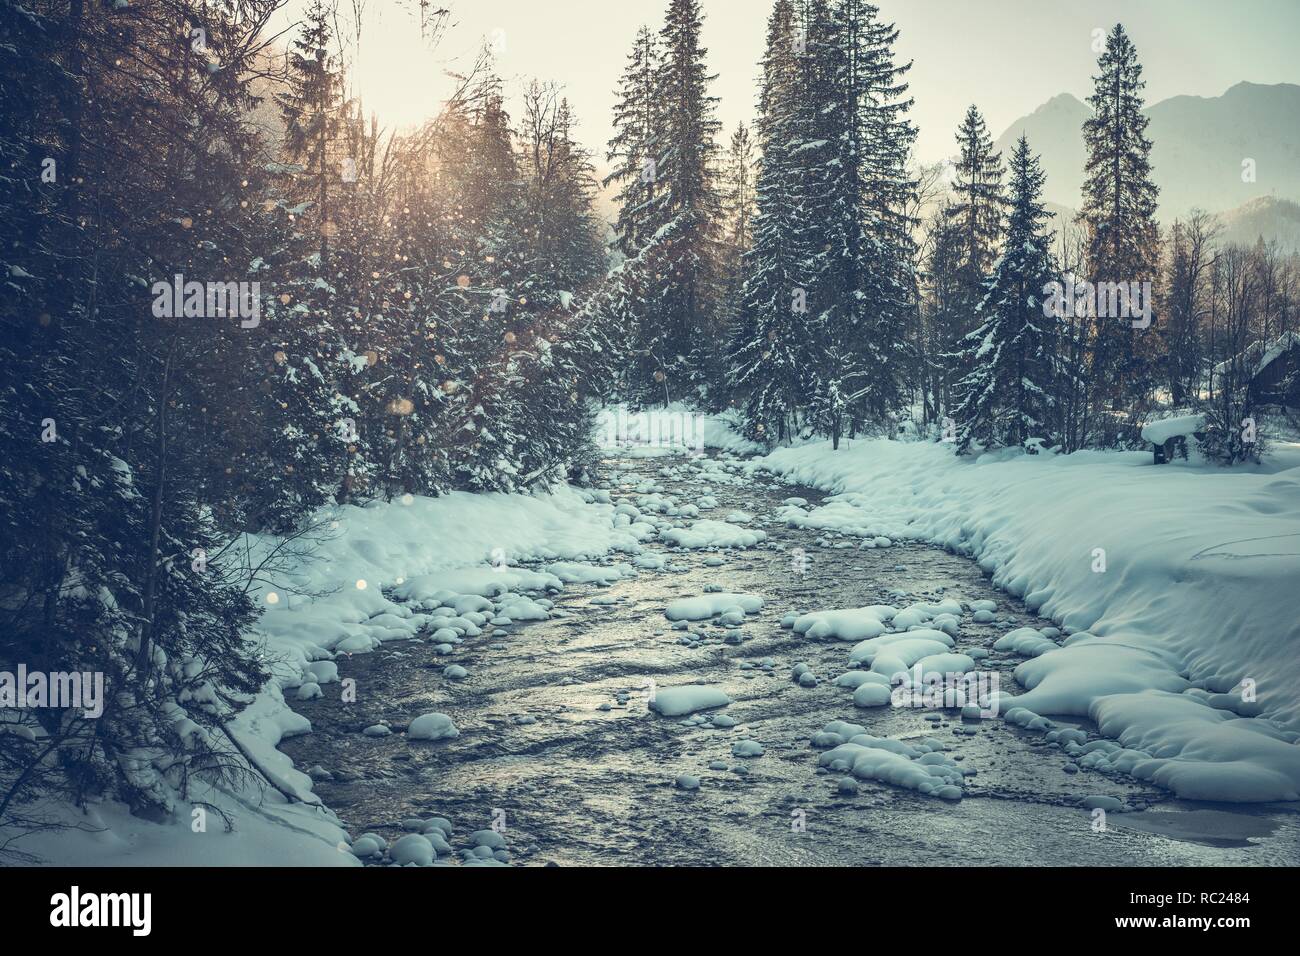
[[1200, 144], [1266, 218]]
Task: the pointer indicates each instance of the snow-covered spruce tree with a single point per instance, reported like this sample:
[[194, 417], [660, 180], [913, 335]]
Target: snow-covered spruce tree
[[684, 305], [321, 270], [110, 560], [485, 414], [889, 190], [564, 260], [738, 207], [979, 207], [560, 229], [979, 202], [457, 176], [1119, 216], [312, 107], [633, 151], [300, 436], [947, 310], [1004, 399], [524, 214], [859, 188], [403, 290], [618, 307], [46, 521], [770, 345]]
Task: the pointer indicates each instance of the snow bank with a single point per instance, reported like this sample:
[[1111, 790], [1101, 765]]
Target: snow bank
[[1200, 752], [332, 601], [1177, 577], [422, 549]]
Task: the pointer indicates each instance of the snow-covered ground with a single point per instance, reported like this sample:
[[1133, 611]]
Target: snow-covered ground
[[671, 429], [1173, 585], [1176, 585], [333, 602]]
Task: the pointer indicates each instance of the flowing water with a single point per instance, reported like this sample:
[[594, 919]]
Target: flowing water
[[557, 743]]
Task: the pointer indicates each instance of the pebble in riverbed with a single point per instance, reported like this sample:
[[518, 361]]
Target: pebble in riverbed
[[802, 674]]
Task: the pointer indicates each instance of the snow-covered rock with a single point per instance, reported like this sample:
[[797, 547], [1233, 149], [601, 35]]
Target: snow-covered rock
[[850, 624], [704, 607], [707, 533], [432, 727], [687, 699]]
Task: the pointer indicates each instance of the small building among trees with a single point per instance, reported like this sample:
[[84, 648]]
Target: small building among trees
[[1276, 378], [1272, 370]]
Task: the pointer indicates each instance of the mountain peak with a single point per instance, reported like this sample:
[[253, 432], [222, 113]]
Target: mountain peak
[[1061, 102], [1215, 153], [1245, 88]]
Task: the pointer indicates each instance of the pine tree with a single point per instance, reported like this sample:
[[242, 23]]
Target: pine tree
[[558, 192], [488, 441], [1118, 214], [977, 217], [685, 304], [312, 110], [563, 260], [769, 342], [1184, 304], [980, 204], [738, 208], [633, 151], [861, 239], [1005, 397], [949, 312], [110, 491], [140, 442]]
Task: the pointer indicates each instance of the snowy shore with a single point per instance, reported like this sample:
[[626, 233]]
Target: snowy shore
[[1174, 587], [1194, 614], [333, 603]]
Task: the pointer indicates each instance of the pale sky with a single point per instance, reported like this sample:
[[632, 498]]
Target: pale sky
[[1007, 56]]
